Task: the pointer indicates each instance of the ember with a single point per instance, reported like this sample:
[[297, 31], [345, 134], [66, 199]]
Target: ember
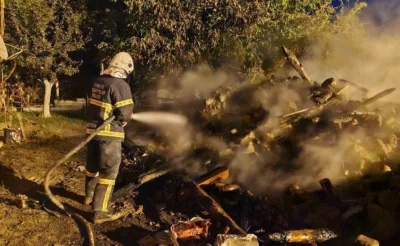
[[196, 228], [303, 236]]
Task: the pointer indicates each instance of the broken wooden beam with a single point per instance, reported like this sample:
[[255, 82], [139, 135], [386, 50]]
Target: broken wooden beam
[[153, 174], [217, 208], [144, 178], [220, 173], [295, 63], [378, 96]]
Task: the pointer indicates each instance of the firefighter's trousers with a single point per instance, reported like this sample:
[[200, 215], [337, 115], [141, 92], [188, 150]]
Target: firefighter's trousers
[[102, 168]]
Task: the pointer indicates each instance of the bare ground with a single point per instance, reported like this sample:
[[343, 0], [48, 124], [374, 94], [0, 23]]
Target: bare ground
[[22, 170]]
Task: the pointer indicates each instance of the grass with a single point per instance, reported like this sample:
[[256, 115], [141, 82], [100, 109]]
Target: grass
[[48, 140], [59, 126], [22, 170]]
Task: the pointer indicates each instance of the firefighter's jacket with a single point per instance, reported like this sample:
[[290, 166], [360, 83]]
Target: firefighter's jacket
[[109, 96]]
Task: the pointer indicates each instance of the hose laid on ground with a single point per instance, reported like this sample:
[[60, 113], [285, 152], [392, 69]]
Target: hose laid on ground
[[65, 158]]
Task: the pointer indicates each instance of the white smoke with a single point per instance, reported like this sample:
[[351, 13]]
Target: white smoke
[[370, 59]]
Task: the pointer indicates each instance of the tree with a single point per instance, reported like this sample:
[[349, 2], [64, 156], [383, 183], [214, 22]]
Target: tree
[[164, 35], [296, 24], [49, 32], [170, 35]]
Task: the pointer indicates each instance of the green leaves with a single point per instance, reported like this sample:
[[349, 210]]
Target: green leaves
[[162, 35], [181, 33], [46, 27]]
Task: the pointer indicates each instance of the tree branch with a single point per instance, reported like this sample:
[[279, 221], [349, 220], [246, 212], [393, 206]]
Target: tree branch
[[12, 71]]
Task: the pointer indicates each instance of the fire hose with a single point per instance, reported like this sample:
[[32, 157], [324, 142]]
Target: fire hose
[[50, 195]]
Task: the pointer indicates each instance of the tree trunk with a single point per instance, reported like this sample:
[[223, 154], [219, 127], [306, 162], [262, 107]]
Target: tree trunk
[[101, 68], [47, 96], [2, 4], [57, 90], [3, 104]]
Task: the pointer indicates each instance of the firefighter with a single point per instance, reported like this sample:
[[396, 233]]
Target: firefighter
[[110, 95]]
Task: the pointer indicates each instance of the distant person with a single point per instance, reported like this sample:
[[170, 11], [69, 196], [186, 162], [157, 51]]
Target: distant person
[[110, 95]]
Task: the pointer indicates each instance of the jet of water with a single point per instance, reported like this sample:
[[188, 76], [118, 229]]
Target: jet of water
[[160, 119]]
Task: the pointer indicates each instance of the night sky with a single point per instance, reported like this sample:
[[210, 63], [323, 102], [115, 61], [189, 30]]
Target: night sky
[[381, 12], [337, 2]]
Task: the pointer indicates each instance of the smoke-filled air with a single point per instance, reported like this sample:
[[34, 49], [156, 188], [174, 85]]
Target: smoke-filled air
[[365, 63]]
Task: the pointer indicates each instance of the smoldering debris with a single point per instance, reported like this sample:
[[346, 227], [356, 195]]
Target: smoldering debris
[[366, 241], [235, 240], [254, 156], [303, 236], [195, 229], [370, 202]]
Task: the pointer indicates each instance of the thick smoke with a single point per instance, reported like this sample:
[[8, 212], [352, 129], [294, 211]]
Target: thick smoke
[[384, 15], [188, 91], [369, 58], [199, 82]]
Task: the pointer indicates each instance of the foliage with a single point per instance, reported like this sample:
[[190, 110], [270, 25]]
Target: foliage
[[6, 96], [295, 24], [10, 94], [165, 35], [48, 32], [290, 23]]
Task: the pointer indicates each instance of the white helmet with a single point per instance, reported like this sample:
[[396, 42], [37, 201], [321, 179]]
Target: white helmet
[[123, 61]]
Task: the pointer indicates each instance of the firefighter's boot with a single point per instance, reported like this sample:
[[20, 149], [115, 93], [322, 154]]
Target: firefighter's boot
[[90, 186], [101, 217]]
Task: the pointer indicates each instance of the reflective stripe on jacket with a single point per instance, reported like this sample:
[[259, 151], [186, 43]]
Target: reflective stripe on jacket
[[109, 96]]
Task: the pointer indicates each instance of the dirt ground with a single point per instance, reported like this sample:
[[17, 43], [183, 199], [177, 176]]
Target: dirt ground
[[22, 170]]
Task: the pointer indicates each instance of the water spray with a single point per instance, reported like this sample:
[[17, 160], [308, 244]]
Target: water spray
[[161, 119]]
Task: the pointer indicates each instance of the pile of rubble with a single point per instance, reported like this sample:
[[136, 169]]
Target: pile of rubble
[[213, 209]]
